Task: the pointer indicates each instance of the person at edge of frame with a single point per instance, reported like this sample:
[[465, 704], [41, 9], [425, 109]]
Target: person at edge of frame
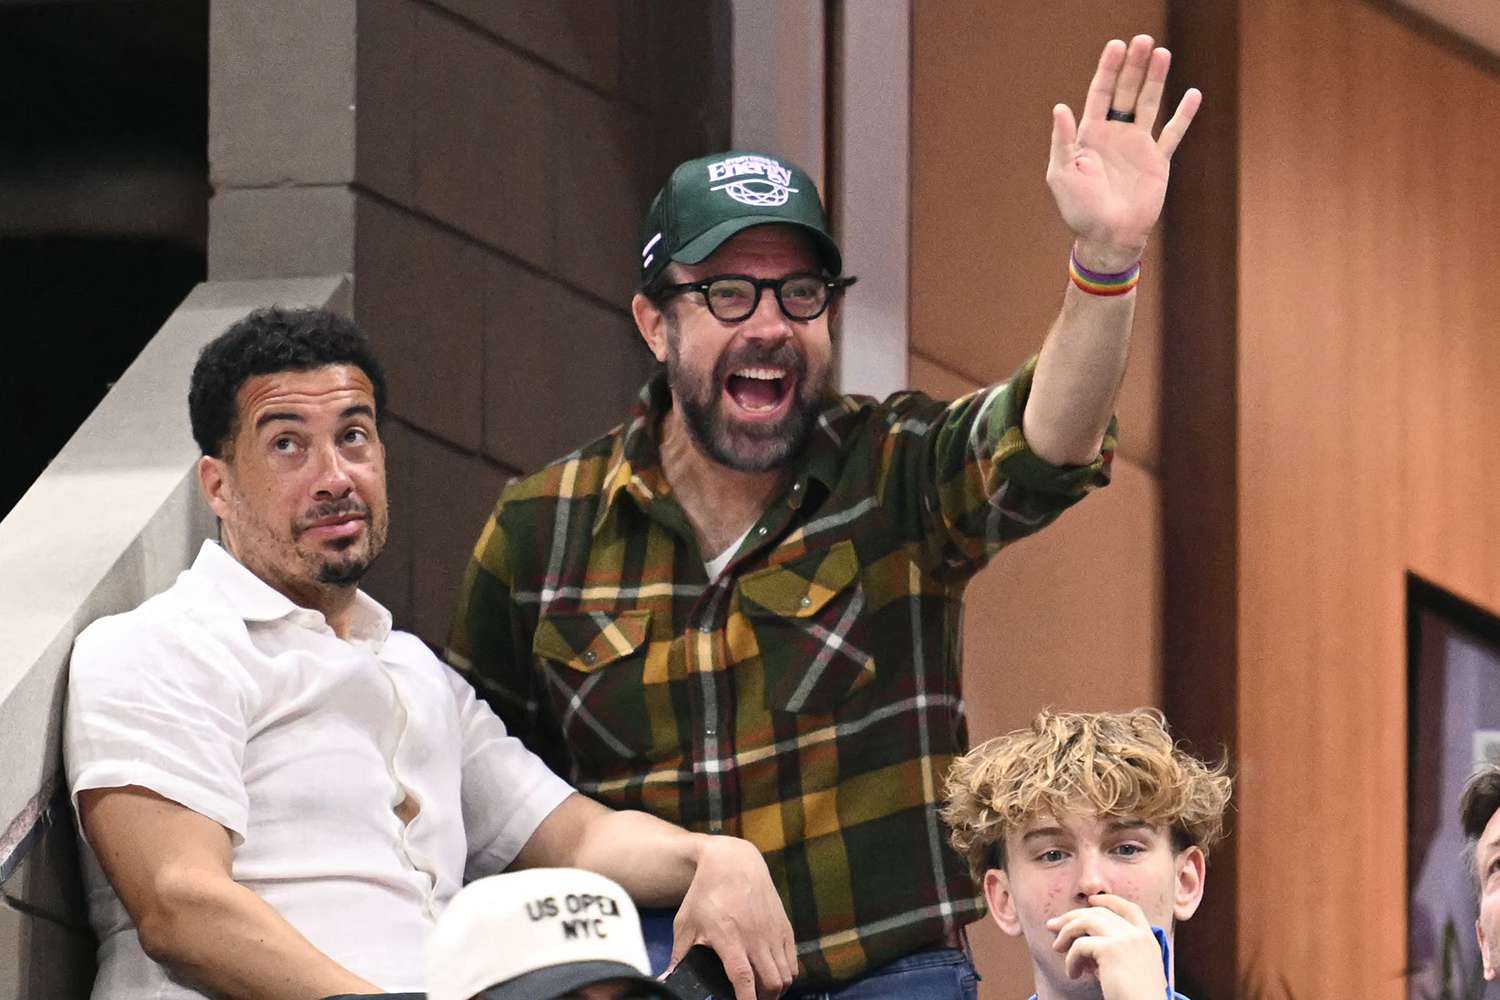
[[1478, 812]]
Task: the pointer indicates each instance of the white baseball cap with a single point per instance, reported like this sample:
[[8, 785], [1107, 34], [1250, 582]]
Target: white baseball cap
[[535, 935]]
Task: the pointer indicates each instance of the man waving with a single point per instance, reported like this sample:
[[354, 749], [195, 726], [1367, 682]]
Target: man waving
[[740, 609]]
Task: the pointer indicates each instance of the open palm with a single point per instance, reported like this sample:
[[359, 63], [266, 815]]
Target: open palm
[[1110, 176]]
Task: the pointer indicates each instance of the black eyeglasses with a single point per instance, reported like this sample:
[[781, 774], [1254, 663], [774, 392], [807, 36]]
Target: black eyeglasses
[[735, 297]]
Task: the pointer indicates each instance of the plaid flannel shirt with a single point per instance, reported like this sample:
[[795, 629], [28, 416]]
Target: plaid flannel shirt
[[809, 700]]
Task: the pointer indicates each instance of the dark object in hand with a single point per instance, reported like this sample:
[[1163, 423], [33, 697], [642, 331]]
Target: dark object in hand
[[700, 976]]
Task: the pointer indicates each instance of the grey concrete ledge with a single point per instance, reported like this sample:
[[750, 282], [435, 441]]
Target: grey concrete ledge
[[111, 521]]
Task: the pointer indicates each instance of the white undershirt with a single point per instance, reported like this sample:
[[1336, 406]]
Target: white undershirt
[[224, 696], [719, 563]]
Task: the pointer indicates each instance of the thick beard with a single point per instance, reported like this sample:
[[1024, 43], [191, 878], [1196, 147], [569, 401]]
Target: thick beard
[[770, 447]]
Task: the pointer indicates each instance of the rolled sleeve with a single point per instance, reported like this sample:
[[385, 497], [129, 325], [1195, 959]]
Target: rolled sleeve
[[1011, 458], [984, 486]]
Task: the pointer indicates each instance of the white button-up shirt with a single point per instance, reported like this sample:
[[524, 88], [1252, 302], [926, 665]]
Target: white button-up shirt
[[224, 696]]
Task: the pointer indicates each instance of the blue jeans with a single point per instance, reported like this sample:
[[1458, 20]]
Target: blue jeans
[[936, 973], [930, 974]]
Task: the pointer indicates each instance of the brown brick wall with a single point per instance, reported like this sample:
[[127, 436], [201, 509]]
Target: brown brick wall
[[504, 155]]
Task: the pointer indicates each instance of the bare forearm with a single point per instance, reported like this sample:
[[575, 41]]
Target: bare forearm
[[1109, 176], [1078, 377], [727, 900], [720, 885], [226, 939], [654, 860]]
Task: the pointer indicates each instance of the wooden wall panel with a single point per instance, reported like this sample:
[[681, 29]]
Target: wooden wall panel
[[989, 254], [1069, 619], [1364, 349], [1322, 644], [1452, 349], [1200, 499], [1365, 354]]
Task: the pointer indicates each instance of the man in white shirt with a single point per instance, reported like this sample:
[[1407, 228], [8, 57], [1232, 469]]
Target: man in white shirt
[[277, 793]]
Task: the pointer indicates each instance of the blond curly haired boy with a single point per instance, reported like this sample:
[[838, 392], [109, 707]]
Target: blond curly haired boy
[[1089, 834]]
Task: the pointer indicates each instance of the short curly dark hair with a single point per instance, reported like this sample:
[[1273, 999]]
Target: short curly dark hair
[[274, 339]]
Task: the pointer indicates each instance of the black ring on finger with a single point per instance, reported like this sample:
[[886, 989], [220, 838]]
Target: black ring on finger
[[1114, 115]]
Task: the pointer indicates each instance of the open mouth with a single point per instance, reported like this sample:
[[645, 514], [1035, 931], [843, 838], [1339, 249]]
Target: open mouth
[[760, 390]]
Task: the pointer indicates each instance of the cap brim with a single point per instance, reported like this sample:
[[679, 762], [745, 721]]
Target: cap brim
[[556, 980], [699, 249]]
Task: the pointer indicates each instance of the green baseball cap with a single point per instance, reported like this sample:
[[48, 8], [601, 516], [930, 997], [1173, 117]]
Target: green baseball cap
[[708, 200]]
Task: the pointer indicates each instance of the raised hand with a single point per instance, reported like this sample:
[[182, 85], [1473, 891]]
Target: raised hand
[[1111, 940], [1109, 176]]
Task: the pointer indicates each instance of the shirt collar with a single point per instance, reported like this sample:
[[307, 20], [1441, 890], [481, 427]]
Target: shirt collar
[[635, 465], [254, 600]]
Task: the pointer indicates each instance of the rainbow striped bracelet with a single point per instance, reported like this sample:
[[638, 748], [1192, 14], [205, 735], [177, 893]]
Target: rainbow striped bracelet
[[1103, 284]]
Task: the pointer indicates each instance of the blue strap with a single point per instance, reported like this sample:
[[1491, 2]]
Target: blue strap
[[1166, 959]]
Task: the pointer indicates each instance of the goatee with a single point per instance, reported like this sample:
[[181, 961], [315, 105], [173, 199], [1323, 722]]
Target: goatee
[[755, 447]]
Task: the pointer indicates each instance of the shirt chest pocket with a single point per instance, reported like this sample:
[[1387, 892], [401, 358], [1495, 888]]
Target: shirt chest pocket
[[594, 664], [809, 620]]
